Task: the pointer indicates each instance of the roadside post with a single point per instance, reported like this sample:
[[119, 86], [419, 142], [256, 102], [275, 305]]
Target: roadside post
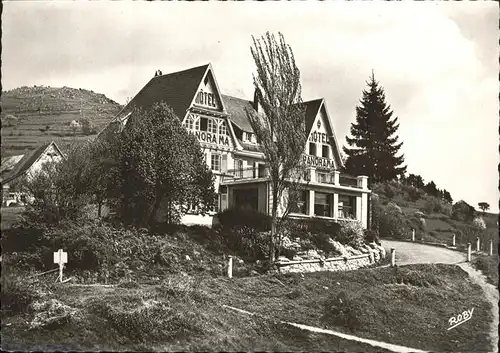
[[491, 247], [230, 267], [393, 257], [413, 234], [60, 258], [477, 244], [469, 252], [453, 241]]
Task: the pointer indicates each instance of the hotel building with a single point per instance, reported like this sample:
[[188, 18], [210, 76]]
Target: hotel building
[[231, 151]]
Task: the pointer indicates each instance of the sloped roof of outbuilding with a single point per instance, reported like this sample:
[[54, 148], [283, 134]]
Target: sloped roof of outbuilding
[[27, 161]]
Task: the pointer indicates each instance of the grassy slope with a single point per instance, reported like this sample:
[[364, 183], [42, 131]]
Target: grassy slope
[[188, 316], [439, 227], [39, 107]]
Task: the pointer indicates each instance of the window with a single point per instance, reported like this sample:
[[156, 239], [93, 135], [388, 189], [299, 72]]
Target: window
[[238, 168], [224, 163], [223, 202], [300, 206], [203, 124], [312, 148], [325, 151], [215, 162], [322, 204], [223, 128], [249, 137], [347, 206], [192, 123], [212, 126], [261, 170]]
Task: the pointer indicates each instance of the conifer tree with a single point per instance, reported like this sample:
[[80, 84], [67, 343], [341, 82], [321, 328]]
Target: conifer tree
[[373, 148]]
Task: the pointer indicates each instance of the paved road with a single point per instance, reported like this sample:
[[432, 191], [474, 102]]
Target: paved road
[[414, 253]]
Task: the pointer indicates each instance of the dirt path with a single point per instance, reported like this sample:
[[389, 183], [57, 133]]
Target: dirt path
[[414, 253]]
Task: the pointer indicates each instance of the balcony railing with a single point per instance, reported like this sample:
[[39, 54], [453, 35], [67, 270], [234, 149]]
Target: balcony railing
[[245, 173], [311, 175], [348, 180]]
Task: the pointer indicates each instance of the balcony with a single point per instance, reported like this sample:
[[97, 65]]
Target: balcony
[[348, 180], [311, 175], [245, 173]]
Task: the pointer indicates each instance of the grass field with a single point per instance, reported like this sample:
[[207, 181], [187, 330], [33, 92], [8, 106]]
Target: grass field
[[408, 306]]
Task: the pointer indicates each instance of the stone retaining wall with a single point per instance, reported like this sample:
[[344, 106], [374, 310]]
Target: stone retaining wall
[[331, 264]]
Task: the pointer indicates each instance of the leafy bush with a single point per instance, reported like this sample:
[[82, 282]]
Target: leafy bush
[[391, 222], [244, 241], [233, 218], [313, 234], [390, 191], [462, 211], [414, 194], [433, 205], [351, 233], [478, 223]]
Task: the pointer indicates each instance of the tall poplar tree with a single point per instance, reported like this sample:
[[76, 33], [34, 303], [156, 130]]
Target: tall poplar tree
[[280, 129], [373, 148]]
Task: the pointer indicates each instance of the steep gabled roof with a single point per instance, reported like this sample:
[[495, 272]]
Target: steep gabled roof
[[27, 161], [177, 89], [312, 108], [237, 110]]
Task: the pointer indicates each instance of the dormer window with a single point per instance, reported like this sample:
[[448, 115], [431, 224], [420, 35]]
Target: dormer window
[[249, 136]]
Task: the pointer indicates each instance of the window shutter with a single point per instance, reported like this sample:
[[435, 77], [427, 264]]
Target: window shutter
[[224, 163]]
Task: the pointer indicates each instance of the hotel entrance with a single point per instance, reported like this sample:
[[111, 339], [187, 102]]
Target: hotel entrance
[[246, 199]]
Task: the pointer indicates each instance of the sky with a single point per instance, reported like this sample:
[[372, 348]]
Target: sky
[[437, 61]]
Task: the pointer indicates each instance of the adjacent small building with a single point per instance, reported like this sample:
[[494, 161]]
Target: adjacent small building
[[15, 167], [221, 125]]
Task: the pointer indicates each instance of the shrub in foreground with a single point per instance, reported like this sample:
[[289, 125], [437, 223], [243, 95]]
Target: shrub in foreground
[[351, 233], [236, 218], [391, 222], [19, 292]]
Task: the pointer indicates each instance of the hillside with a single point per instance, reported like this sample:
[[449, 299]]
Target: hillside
[[34, 115], [438, 225]]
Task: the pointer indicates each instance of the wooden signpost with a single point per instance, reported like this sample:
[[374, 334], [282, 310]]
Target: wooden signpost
[[61, 258]]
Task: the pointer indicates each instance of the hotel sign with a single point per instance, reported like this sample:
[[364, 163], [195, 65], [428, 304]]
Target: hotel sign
[[318, 162], [320, 137], [207, 99], [208, 137]]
